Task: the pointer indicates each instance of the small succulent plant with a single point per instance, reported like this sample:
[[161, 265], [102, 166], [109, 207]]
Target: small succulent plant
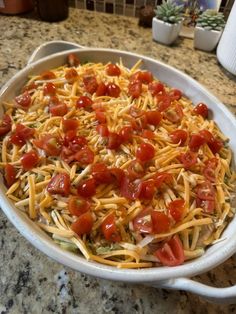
[[169, 12], [211, 20]]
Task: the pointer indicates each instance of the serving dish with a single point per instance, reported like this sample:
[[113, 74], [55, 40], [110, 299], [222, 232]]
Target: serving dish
[[164, 277]]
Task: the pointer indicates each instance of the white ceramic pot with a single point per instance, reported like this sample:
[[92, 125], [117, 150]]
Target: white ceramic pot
[[165, 33], [206, 40], [162, 277]]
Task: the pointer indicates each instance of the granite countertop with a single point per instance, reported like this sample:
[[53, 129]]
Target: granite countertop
[[30, 282]]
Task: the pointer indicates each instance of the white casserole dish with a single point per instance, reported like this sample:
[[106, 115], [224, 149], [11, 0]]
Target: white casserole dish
[[161, 277]]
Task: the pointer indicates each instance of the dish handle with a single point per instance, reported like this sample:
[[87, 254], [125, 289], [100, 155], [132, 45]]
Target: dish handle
[[212, 294], [51, 47]]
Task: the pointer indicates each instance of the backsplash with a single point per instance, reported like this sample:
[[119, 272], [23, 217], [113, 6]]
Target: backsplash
[[121, 7]]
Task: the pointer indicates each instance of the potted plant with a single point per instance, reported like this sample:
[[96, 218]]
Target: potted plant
[[167, 23], [209, 27]]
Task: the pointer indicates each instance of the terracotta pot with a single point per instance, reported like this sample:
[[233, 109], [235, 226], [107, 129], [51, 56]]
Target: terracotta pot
[[16, 6]]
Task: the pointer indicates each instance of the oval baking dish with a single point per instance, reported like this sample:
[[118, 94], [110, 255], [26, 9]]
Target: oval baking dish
[[162, 277]]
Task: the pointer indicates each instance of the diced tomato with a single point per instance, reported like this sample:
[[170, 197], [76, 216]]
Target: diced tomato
[[113, 90], [85, 156], [70, 124], [155, 88], [87, 188], [153, 117], [101, 174], [136, 112], [160, 222], [90, 84], [109, 229], [77, 206], [143, 222], [59, 184], [73, 141], [47, 75], [207, 135], [144, 77], [23, 100], [195, 142], [49, 89], [208, 206], [135, 170], [188, 159], [201, 109], [21, 134], [163, 102], [148, 189], [113, 70], [135, 89], [178, 137], [148, 134], [126, 134], [174, 113], [71, 75], [5, 125], [51, 144], [209, 169], [29, 160], [73, 60], [171, 253], [58, 110], [117, 176], [9, 174], [176, 209], [83, 225], [130, 189], [145, 152], [102, 129], [114, 141], [101, 89], [215, 145], [205, 191], [175, 94], [140, 120], [162, 177], [100, 116], [84, 102]]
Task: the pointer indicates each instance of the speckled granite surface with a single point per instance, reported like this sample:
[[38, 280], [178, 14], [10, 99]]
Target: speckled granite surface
[[29, 281]]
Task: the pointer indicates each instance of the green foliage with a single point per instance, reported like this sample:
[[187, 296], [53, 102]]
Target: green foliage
[[211, 20], [169, 12]]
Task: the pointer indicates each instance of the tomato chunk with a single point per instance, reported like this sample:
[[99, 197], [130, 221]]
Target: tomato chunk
[[188, 159], [208, 206], [90, 83], [85, 156], [71, 75], [195, 142], [160, 221], [51, 144], [176, 209], [155, 88], [113, 90], [87, 188], [84, 102], [113, 70], [153, 117], [59, 109], [148, 134], [135, 89], [77, 206], [21, 134], [209, 169], [49, 89], [100, 116], [162, 177], [130, 189], [73, 60], [163, 102], [144, 77], [135, 170], [215, 146], [59, 184], [175, 94], [83, 225], [101, 89], [47, 75], [109, 229], [145, 152], [9, 174], [102, 129], [23, 100], [5, 125], [29, 160], [117, 175], [205, 191], [171, 253], [101, 174], [174, 113], [201, 109], [70, 124], [178, 137], [143, 222], [148, 189], [114, 141]]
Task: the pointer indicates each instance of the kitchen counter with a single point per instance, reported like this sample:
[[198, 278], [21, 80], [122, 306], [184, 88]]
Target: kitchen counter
[[30, 282]]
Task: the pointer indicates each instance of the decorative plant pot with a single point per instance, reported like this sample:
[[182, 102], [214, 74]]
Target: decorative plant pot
[[165, 33], [206, 40]]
